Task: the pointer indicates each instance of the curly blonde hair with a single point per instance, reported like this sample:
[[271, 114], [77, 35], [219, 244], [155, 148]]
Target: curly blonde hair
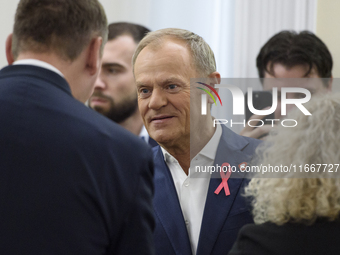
[[315, 140]]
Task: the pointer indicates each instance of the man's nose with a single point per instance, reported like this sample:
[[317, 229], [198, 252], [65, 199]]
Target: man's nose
[[158, 99], [99, 84]]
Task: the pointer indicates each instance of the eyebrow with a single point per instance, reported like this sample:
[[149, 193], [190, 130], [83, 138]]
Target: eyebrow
[[163, 83], [171, 79], [106, 65], [139, 84]]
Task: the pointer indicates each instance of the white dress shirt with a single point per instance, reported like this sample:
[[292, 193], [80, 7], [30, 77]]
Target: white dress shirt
[[35, 62], [192, 189], [144, 134]]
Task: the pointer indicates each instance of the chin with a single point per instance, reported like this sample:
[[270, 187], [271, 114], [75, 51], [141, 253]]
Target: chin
[[166, 139], [161, 138], [99, 110]]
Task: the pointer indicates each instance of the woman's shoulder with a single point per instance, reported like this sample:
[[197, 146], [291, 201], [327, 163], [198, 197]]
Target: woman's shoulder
[[289, 238]]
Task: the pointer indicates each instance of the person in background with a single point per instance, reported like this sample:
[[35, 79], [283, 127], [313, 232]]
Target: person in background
[[290, 55], [115, 93], [191, 216], [295, 215], [69, 183]]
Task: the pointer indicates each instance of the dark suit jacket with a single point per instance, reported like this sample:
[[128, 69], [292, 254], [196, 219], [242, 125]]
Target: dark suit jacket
[[152, 142], [223, 215], [69, 182], [321, 238]]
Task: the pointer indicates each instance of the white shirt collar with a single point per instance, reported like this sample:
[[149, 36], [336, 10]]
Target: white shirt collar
[[209, 150], [35, 62], [144, 133], [167, 156]]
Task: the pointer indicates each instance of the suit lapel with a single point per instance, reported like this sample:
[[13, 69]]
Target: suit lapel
[[217, 207], [152, 142], [167, 207]]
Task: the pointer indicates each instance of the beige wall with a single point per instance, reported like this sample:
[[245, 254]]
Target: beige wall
[[328, 29]]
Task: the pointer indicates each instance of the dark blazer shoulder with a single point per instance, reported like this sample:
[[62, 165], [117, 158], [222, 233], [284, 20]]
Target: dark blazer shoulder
[[79, 161], [291, 238]]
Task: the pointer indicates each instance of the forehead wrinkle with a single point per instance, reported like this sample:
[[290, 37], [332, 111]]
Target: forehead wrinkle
[[162, 82], [159, 43], [163, 64]]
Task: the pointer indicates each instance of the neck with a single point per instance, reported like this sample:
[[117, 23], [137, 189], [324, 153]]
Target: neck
[[181, 153], [49, 58], [201, 136], [188, 147], [73, 71], [194, 144], [134, 123]]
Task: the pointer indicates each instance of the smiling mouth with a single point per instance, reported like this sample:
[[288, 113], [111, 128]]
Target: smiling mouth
[[161, 118]]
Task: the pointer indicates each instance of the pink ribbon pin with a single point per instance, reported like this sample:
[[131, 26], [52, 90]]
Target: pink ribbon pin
[[224, 183]]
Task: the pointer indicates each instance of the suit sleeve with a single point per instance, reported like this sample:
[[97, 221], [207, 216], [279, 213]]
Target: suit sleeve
[[137, 235]]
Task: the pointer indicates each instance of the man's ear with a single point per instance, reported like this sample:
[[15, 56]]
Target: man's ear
[[93, 56], [215, 78], [9, 54]]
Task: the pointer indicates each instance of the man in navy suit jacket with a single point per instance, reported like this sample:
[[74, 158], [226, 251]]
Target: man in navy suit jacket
[[69, 182], [190, 217]]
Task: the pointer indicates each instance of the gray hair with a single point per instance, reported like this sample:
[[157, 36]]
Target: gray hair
[[203, 56]]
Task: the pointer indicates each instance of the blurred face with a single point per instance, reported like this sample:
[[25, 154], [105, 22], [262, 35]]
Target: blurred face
[[163, 86], [315, 86], [115, 91]]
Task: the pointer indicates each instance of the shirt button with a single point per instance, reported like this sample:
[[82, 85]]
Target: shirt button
[[187, 222], [186, 184]]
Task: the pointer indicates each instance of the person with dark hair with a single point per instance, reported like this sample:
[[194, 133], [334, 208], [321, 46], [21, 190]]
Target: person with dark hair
[[115, 94], [68, 184], [289, 54], [292, 49]]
